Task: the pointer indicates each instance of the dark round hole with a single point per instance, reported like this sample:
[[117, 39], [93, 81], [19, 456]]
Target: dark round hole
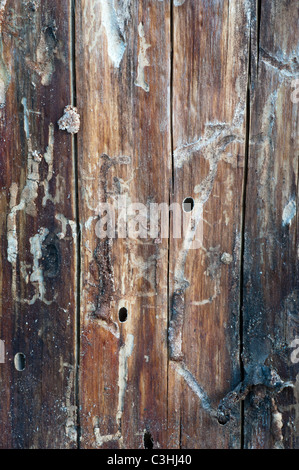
[[148, 440], [123, 314], [20, 361], [188, 204]]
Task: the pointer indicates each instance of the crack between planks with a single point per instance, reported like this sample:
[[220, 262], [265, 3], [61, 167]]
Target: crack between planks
[[171, 91], [77, 218], [242, 260], [171, 188], [171, 196], [258, 31]]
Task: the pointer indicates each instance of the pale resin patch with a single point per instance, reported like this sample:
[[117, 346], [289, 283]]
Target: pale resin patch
[[142, 60]]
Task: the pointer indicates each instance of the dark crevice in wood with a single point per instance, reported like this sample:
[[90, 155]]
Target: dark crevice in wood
[[180, 436], [78, 230], [242, 260], [258, 25], [168, 302], [148, 440], [171, 187], [171, 88]]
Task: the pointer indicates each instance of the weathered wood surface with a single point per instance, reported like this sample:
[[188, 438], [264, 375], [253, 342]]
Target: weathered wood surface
[[38, 247], [124, 151], [271, 229], [210, 68], [182, 99]]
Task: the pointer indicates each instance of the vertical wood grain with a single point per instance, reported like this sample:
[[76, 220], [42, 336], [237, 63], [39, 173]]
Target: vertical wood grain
[[123, 83], [38, 246], [271, 243], [149, 342], [210, 74]]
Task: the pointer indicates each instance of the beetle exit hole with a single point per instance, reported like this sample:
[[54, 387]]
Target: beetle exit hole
[[148, 440], [123, 314], [188, 204], [20, 361]]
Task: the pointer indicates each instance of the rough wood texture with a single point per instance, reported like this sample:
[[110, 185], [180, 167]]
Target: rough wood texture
[[177, 99], [210, 65], [124, 150], [38, 261], [271, 228]]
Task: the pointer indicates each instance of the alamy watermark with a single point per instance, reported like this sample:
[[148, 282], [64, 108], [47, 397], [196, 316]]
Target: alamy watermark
[[123, 219], [295, 353]]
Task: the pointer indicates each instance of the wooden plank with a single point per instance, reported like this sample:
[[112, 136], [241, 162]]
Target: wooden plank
[[271, 243], [185, 340], [123, 90], [38, 249], [210, 65]]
